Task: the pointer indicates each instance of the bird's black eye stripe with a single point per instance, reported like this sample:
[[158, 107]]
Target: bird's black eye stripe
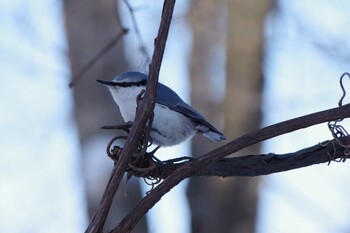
[[132, 84]]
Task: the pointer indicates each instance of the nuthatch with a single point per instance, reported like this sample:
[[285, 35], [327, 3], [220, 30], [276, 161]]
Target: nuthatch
[[174, 120]]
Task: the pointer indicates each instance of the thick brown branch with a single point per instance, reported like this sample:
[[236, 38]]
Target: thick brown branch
[[256, 165], [195, 166]]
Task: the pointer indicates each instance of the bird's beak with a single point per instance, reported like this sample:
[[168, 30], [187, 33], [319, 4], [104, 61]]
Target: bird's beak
[[107, 83]]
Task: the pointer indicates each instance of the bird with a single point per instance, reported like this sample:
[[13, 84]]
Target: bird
[[174, 120]]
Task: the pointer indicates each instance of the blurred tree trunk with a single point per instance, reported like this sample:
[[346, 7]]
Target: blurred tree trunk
[[227, 205], [91, 25]]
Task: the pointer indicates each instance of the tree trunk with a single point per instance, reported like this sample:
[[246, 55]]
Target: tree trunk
[[230, 204]]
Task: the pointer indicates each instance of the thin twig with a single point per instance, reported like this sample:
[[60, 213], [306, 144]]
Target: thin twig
[[102, 52], [142, 45]]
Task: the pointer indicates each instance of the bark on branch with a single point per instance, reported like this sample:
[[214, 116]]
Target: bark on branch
[[262, 164]]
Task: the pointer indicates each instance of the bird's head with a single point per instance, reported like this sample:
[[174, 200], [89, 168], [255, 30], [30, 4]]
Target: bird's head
[[126, 80], [126, 86]]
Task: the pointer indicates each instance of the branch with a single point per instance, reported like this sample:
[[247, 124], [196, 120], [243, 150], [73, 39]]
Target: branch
[[142, 45], [144, 112], [256, 165], [76, 77], [193, 167]]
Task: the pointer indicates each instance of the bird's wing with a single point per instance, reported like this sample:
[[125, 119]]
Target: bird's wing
[[168, 98]]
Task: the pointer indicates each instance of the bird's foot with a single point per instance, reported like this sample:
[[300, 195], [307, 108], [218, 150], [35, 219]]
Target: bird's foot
[[151, 155]]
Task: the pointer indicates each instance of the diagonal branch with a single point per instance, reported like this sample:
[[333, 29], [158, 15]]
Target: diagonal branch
[[193, 167], [143, 113], [76, 77]]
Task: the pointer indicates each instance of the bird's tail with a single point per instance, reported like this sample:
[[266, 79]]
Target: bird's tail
[[215, 136]]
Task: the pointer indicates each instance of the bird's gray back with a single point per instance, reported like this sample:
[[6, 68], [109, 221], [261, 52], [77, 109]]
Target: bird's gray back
[[169, 98]]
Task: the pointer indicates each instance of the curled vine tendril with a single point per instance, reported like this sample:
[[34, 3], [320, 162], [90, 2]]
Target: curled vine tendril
[[340, 103], [142, 163], [339, 133]]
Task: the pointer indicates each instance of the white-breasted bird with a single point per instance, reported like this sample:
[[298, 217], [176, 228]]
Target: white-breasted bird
[[174, 120]]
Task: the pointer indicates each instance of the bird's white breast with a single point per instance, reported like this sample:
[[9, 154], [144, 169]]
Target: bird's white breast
[[169, 127], [126, 100]]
